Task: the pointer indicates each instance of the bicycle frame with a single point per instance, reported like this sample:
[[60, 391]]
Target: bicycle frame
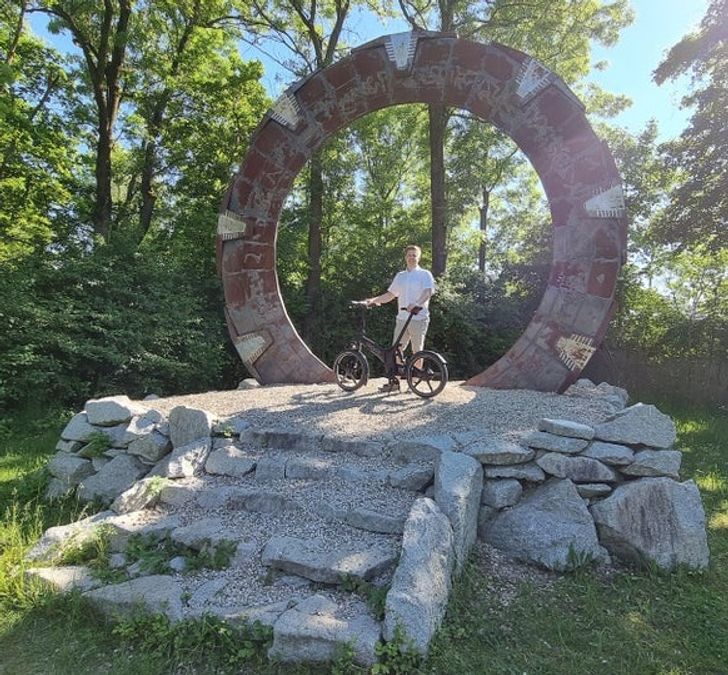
[[387, 355]]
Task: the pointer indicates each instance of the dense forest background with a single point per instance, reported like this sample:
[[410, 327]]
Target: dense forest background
[[114, 157]]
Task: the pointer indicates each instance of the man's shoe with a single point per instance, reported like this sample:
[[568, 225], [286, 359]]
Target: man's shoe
[[390, 387]]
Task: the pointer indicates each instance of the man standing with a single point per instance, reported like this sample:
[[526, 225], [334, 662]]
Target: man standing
[[412, 287]]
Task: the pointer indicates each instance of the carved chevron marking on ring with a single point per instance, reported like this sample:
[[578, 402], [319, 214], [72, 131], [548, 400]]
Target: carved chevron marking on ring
[[575, 350], [286, 110], [252, 345], [532, 78], [230, 225], [401, 49], [608, 203]]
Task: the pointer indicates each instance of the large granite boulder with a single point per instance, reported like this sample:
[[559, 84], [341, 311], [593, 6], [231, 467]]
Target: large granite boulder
[[458, 486], [114, 478], [551, 527], [417, 598], [316, 629], [655, 519], [640, 424], [189, 424], [158, 594]]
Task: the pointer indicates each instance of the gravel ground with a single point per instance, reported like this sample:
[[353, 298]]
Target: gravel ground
[[369, 414]]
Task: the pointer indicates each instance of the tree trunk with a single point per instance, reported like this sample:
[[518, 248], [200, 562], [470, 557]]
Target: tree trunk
[[483, 228], [103, 202], [313, 282], [438, 122]]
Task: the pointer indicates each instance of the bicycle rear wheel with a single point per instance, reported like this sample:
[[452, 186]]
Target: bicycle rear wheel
[[351, 370], [429, 377]]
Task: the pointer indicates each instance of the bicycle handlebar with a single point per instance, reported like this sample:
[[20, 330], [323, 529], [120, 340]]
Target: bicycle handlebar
[[363, 303]]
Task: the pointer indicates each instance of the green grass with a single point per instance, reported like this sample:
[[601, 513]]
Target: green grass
[[633, 622]]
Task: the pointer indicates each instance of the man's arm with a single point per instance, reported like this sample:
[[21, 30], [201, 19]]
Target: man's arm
[[387, 296]]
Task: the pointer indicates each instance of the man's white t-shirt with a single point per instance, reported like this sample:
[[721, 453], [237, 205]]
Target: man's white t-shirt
[[408, 287]]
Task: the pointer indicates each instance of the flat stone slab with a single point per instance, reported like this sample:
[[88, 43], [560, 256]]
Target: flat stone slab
[[69, 469], [202, 532], [112, 410], [418, 596], [655, 519], [458, 484], [610, 453], [126, 525], [309, 559], [374, 521], [51, 543], [499, 452], [312, 632], [547, 527], [590, 490], [655, 463], [553, 443], [640, 424], [63, 579], [411, 477], [308, 468], [158, 594], [229, 461], [566, 428], [270, 468], [578, 469], [425, 448], [530, 472]]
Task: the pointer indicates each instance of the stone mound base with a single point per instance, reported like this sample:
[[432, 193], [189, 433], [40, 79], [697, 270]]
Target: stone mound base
[[304, 531]]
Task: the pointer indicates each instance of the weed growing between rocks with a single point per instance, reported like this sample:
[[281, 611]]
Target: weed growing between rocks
[[375, 596], [97, 444], [195, 640], [398, 656], [154, 555]]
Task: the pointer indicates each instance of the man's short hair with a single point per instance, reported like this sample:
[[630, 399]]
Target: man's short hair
[[413, 247]]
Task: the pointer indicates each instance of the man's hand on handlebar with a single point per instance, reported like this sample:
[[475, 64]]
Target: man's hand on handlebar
[[414, 308]]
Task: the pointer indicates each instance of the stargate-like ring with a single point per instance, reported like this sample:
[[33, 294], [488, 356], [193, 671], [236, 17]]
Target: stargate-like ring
[[504, 86]]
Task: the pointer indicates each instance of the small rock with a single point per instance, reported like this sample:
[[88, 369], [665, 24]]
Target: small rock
[[151, 447], [411, 477], [498, 452], [499, 493], [591, 490]]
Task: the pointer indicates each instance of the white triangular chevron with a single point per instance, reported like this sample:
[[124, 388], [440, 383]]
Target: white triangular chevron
[[251, 346], [401, 48], [608, 203], [575, 350], [229, 225], [531, 78], [286, 110]]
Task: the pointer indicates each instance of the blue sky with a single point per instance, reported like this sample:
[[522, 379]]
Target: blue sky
[[658, 25]]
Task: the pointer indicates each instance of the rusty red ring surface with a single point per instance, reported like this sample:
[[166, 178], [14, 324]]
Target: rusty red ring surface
[[499, 84]]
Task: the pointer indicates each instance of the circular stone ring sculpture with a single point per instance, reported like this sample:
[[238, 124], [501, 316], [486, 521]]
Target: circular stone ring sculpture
[[499, 84]]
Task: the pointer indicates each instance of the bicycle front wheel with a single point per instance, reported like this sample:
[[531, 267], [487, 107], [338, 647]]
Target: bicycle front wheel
[[426, 373], [351, 370]]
